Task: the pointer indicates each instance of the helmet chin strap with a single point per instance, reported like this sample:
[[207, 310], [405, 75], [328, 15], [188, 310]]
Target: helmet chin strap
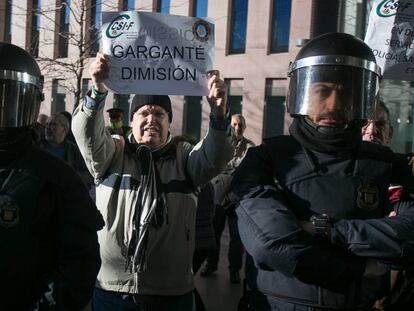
[[328, 129], [335, 129]]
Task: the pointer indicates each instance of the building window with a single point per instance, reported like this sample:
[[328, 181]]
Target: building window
[[274, 110], [279, 35], [34, 37], [192, 119], [64, 29], [128, 5], [398, 96], [122, 102], [354, 17], [325, 16], [162, 6], [8, 21], [238, 26], [94, 30], [58, 96], [235, 96], [198, 8]]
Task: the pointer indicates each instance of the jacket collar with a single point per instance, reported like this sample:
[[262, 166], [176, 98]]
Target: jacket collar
[[167, 150]]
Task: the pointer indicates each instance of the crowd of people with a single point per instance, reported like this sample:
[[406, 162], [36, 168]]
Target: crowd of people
[[125, 216]]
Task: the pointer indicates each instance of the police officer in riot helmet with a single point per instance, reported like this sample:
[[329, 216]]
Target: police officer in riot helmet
[[333, 87], [48, 241], [312, 211]]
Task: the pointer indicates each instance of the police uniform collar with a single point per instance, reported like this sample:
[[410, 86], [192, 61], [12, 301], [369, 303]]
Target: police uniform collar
[[342, 142]]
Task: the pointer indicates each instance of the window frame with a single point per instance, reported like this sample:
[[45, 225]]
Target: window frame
[[231, 26], [273, 21]]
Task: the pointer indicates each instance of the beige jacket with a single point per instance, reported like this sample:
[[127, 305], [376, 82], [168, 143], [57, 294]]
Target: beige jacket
[[221, 182], [181, 169]]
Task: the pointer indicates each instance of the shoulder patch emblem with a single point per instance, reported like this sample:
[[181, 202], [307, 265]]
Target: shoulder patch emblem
[[9, 211], [368, 197]]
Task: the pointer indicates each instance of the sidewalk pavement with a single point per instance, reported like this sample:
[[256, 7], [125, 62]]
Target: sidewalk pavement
[[217, 292]]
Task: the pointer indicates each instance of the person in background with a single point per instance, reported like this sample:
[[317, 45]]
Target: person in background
[[40, 127], [69, 135], [56, 142], [312, 206], [42, 119], [57, 127], [378, 130], [221, 185], [48, 223], [116, 123], [147, 192]]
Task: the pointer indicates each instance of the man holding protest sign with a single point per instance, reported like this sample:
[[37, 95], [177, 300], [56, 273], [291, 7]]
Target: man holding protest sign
[[157, 53], [146, 189]]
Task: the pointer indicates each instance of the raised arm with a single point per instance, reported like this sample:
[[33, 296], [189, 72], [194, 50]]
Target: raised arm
[[94, 141], [212, 154]]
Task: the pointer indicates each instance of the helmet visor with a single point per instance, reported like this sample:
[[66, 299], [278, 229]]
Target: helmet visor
[[332, 94], [19, 103]]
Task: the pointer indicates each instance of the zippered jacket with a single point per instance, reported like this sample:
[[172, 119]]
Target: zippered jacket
[[281, 184], [48, 224], [116, 170]]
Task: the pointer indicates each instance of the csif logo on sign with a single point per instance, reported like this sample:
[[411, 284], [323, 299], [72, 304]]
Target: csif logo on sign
[[389, 8], [120, 25]]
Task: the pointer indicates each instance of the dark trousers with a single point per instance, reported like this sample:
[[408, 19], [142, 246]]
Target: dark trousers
[[198, 259], [103, 300], [235, 253]]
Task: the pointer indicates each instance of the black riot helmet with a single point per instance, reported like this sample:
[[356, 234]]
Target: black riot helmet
[[335, 66], [21, 85]]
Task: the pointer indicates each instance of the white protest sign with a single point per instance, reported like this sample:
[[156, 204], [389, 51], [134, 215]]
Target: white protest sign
[[390, 35], [157, 54]]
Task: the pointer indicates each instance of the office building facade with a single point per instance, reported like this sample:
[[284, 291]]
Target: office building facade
[[254, 42]]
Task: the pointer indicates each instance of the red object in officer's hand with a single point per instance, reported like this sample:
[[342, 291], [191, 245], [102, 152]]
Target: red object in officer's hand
[[394, 193]]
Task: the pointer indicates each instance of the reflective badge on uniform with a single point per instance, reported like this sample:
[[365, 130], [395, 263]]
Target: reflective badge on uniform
[[9, 211], [368, 198]]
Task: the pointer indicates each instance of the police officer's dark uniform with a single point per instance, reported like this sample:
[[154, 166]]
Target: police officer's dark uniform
[[323, 172], [48, 242]]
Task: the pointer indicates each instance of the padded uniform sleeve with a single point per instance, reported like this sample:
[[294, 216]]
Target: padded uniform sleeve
[[78, 247], [388, 238], [272, 235]]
